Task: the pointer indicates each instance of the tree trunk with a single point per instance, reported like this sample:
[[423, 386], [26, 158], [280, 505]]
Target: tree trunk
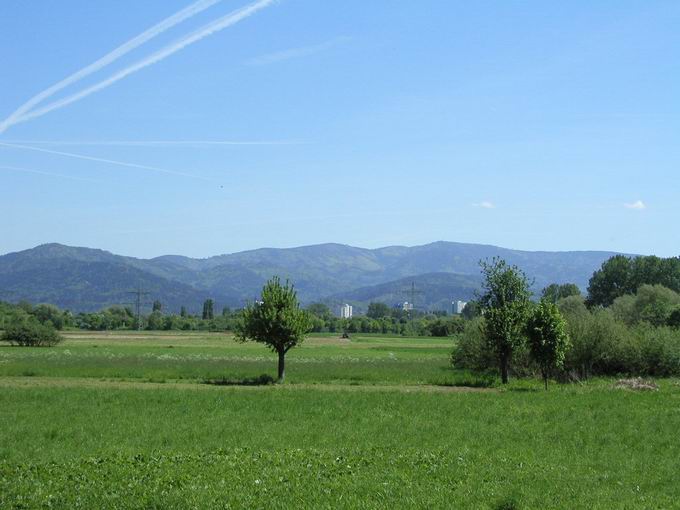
[[504, 369], [282, 360], [545, 380]]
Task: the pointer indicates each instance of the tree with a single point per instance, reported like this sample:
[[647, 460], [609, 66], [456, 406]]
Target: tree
[[183, 311], [276, 321], [320, 310], [29, 332], [652, 304], [612, 280], [505, 305], [674, 319], [471, 310], [554, 292], [49, 314], [548, 339], [621, 275], [155, 321], [378, 310], [208, 313], [157, 306]]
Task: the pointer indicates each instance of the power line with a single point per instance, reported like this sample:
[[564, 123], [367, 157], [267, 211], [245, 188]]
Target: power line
[[412, 293], [139, 295]]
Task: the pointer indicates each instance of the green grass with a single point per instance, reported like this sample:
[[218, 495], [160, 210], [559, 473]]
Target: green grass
[[162, 357], [365, 435]]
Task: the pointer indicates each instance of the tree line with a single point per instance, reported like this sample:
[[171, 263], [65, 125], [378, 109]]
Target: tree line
[[629, 323]]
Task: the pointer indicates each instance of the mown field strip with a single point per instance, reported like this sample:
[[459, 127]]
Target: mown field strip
[[85, 382]]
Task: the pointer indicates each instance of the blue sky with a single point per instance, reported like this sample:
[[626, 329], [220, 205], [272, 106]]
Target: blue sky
[[527, 124]]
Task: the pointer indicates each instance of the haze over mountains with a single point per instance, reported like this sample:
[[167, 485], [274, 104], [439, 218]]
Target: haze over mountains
[[85, 279]]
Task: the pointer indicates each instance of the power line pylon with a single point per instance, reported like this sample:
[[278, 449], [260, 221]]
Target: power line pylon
[[412, 293], [139, 301]]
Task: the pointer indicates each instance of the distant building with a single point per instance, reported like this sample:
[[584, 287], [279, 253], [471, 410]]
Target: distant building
[[407, 307], [346, 311], [458, 307]]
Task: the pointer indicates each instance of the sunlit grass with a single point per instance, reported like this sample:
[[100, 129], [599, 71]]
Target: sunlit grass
[[371, 423]]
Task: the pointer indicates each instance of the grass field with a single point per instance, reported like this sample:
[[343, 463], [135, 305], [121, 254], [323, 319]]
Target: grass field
[[127, 421]]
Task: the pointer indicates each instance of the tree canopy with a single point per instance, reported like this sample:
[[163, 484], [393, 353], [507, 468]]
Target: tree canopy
[[276, 321], [554, 292], [621, 275], [548, 339], [505, 305]]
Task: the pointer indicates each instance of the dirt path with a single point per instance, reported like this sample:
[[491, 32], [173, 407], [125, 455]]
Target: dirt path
[[85, 382]]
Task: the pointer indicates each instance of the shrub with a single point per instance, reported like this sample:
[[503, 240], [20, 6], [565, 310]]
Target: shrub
[[472, 352], [31, 333]]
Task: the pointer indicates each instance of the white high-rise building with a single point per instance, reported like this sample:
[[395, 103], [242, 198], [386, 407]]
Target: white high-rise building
[[458, 307], [346, 311]]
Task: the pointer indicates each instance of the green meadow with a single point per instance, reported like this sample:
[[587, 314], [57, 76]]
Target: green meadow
[[170, 420]]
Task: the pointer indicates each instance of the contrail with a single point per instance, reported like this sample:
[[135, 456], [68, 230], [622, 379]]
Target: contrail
[[207, 30], [154, 143], [102, 160], [49, 174], [109, 58]]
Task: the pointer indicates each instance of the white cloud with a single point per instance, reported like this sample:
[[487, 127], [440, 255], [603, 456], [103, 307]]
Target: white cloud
[[638, 205], [485, 204]]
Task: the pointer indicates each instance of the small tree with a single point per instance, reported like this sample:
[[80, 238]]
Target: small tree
[[276, 320], [157, 306], [548, 339], [208, 310], [377, 310], [505, 305], [30, 333], [554, 292]]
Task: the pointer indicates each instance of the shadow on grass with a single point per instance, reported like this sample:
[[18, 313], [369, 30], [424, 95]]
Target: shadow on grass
[[468, 383], [466, 378], [260, 380]]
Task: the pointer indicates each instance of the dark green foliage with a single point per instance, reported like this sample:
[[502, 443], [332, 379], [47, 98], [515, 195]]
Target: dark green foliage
[[472, 351], [547, 338], [472, 310], [505, 304], [378, 310], [554, 292], [111, 318], [31, 333], [674, 318], [208, 310], [652, 304], [276, 321], [320, 310], [155, 321], [622, 275], [157, 306]]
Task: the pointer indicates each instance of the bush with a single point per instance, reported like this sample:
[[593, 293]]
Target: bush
[[602, 343], [31, 333], [472, 352]]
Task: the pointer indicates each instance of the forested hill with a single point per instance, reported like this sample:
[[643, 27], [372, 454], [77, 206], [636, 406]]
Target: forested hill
[[88, 279]]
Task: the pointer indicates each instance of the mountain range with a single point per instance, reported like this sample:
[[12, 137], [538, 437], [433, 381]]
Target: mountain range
[[86, 279]]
